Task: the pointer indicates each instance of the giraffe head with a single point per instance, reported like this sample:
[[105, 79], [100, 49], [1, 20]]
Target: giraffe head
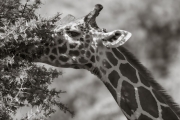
[[76, 42]]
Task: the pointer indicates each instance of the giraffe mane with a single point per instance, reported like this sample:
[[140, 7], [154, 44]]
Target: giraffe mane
[[167, 98]]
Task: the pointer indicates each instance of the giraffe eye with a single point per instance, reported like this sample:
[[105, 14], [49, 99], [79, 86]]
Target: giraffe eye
[[73, 33]]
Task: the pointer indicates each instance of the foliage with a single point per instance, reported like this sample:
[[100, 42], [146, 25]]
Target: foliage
[[23, 83]]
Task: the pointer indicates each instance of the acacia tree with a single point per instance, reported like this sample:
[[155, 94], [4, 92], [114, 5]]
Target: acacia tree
[[23, 83]]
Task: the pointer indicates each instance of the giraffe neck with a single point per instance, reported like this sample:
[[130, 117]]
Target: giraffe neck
[[133, 88]]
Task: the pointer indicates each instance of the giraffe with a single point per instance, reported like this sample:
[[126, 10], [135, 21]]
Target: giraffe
[[81, 44]]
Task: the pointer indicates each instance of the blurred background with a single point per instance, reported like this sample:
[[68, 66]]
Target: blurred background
[[155, 28]]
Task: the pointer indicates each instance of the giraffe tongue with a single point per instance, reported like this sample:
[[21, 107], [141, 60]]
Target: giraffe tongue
[[90, 18]]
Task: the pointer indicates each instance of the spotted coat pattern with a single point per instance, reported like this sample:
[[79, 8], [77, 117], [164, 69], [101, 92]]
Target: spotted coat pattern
[[81, 44]]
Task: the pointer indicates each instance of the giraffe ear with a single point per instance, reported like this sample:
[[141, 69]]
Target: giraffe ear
[[116, 38]]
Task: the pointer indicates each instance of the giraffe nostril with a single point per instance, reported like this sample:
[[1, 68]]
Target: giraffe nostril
[[117, 33], [112, 38]]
